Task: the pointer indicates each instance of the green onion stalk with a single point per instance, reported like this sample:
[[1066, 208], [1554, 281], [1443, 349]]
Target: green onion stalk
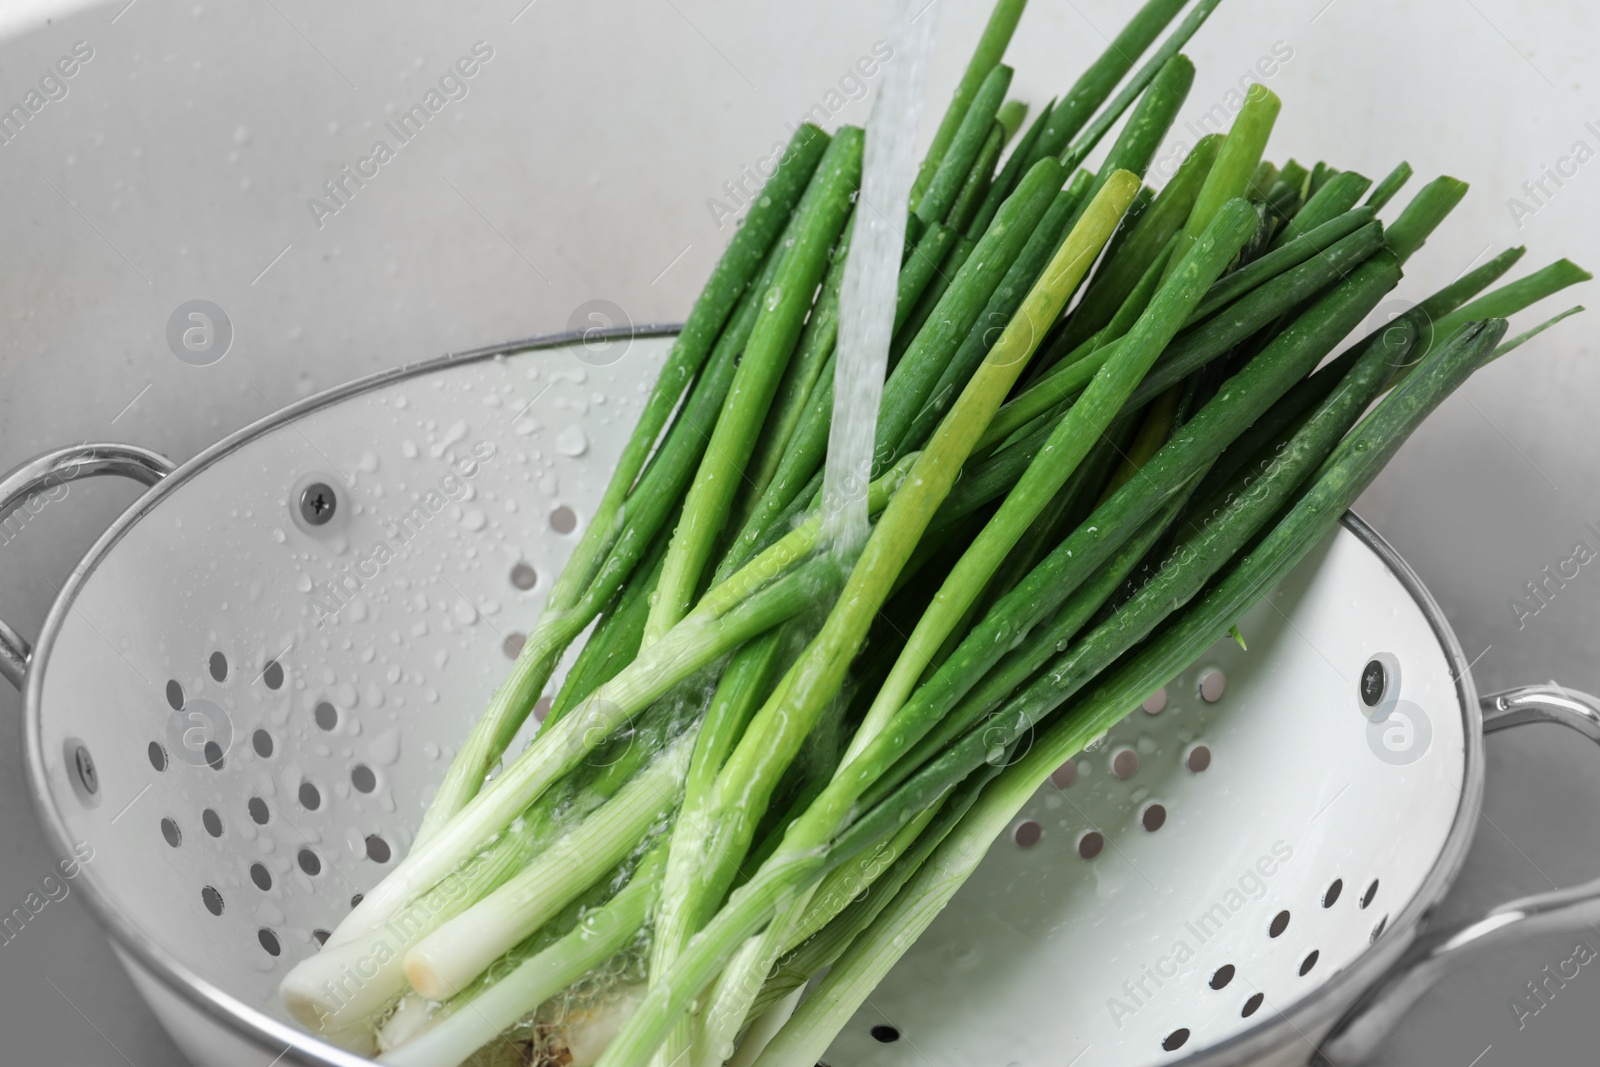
[[761, 595], [1350, 467], [563, 619], [775, 733]]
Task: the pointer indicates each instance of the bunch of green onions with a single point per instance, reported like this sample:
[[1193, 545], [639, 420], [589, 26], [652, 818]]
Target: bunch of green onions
[[1110, 424]]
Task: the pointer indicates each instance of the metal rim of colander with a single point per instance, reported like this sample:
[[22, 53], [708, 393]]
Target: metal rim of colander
[[1312, 1013]]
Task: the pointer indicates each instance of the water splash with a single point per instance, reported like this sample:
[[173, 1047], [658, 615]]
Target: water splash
[[871, 276]]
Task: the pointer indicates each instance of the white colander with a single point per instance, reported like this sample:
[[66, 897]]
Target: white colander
[[246, 690]]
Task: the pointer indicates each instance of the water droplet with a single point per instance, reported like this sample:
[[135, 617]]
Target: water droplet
[[384, 748], [456, 432], [572, 441]]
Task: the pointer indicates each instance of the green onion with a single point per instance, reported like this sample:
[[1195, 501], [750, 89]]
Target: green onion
[[1344, 473], [515, 697], [1009, 175], [1202, 343], [1094, 85], [445, 961], [601, 934], [1068, 444], [1236, 161], [822, 214], [1147, 127], [1391, 184], [1426, 210], [1156, 227], [776, 731], [967, 201], [953, 316], [964, 147], [1289, 254], [1335, 198], [985, 57], [1084, 143]]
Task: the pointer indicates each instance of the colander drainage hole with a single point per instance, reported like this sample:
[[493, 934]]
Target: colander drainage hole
[[887, 1034], [1308, 963], [174, 694], [272, 674], [219, 667], [378, 849], [1222, 976], [1090, 844], [1377, 931], [309, 862], [1175, 1040], [212, 899], [261, 876], [269, 941], [213, 754], [363, 779], [212, 822], [1280, 923], [563, 520], [541, 708], [512, 645], [321, 936], [261, 741], [1331, 897], [1154, 818], [158, 756], [170, 831], [1198, 760], [1372, 891], [355, 901], [1251, 1005], [258, 811], [1027, 833], [1125, 764], [310, 798], [523, 576], [326, 716]]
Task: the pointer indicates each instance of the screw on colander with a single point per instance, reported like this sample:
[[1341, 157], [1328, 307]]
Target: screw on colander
[[83, 763], [318, 503], [1374, 680]]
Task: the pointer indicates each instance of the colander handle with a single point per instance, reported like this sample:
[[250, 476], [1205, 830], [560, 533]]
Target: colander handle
[[43, 474], [1434, 953]]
